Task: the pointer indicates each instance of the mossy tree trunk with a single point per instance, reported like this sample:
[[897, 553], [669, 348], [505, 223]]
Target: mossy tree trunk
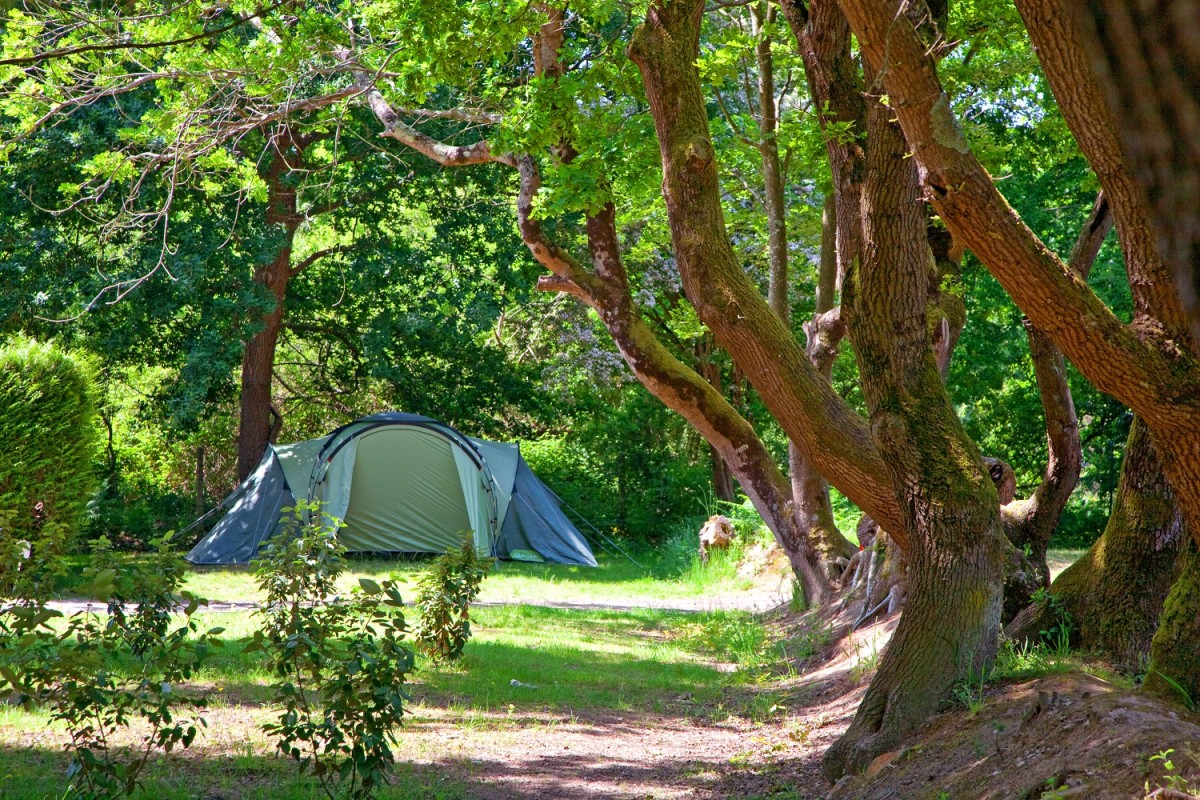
[[1115, 592], [1151, 363], [955, 556], [1175, 648]]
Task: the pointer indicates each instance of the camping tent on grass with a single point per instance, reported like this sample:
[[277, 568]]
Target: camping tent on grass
[[400, 483]]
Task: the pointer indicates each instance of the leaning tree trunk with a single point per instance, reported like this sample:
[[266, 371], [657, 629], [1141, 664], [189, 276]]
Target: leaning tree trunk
[[1115, 592], [665, 49], [810, 491], [955, 556]]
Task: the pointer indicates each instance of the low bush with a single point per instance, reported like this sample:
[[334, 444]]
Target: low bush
[[99, 674], [444, 598], [339, 661]]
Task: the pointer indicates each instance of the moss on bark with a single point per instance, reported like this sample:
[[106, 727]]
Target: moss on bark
[[1175, 650], [1115, 593]]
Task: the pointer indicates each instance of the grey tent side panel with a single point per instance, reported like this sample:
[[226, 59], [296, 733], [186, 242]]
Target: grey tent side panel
[[252, 518], [536, 522]]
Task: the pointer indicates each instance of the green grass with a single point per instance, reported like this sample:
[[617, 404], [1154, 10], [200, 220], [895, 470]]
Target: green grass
[[581, 661], [1059, 559], [616, 581]]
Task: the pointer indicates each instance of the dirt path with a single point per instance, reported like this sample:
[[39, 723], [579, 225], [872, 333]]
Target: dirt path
[[766, 594]]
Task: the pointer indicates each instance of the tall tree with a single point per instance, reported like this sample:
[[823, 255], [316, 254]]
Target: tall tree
[[1149, 364]]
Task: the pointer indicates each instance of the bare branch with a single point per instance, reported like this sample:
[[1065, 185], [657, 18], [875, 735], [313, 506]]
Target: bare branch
[[315, 257]]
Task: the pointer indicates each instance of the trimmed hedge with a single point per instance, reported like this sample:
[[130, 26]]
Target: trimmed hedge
[[47, 425]]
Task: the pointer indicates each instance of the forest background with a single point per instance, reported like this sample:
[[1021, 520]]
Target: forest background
[[412, 290]]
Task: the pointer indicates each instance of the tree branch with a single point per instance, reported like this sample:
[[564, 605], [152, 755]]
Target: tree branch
[[1057, 301], [315, 257]]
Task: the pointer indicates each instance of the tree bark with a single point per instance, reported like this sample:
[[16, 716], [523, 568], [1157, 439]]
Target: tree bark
[[258, 359], [665, 48], [810, 491], [1175, 648], [1146, 58], [1143, 364], [1115, 592], [1031, 522], [948, 629], [605, 289]]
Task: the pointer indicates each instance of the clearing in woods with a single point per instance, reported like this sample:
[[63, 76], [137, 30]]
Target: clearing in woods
[[617, 685]]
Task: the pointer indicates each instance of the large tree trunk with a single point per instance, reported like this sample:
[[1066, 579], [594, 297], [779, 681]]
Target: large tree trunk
[[1175, 648], [948, 629], [1115, 592], [258, 362], [258, 359], [1149, 365], [1146, 57], [606, 290]]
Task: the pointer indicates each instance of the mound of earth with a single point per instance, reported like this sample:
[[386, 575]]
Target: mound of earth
[[1060, 736]]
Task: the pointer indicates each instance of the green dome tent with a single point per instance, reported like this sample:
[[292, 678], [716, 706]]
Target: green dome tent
[[400, 483]]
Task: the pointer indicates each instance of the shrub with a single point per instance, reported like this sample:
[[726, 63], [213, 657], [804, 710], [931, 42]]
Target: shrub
[[47, 414], [444, 597], [339, 660], [98, 674]]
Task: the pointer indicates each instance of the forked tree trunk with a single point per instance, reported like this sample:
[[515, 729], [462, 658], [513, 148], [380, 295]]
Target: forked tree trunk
[[951, 618]]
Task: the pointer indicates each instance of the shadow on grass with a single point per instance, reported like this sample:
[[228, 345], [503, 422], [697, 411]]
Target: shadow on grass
[[38, 773]]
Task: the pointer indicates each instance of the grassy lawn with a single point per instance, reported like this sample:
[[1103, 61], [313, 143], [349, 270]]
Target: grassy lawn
[[1060, 559], [582, 662], [617, 581]]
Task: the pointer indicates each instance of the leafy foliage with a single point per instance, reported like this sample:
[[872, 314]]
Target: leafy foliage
[[444, 599], [100, 673], [47, 422], [340, 661]]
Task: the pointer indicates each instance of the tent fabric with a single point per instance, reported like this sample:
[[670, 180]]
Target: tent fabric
[[477, 496], [254, 509], [400, 483], [536, 522], [434, 509]]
